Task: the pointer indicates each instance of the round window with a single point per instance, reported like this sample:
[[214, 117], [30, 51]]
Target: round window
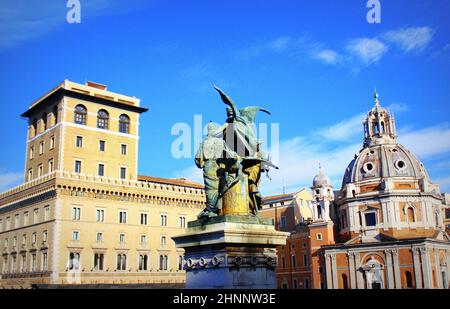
[[368, 167], [400, 164]]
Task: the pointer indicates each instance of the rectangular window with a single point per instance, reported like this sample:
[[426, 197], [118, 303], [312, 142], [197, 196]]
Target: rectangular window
[[50, 166], [98, 261], [45, 236], [52, 142], [40, 170], [121, 262], [122, 217], [75, 235], [101, 145], [25, 218], [6, 244], [31, 153], [371, 219], [182, 221], [294, 283], [16, 221], [143, 219], [283, 222], [8, 223], [30, 174], [143, 262], [33, 239], [24, 239], [76, 213], [100, 215], [283, 262], [33, 262], [123, 149], [79, 142], [74, 261], [306, 284], [1, 225], [143, 239], [41, 148], [163, 240], [101, 170], [77, 166], [163, 261], [47, 213], [122, 238], [36, 216], [123, 172], [23, 263], [44, 261], [99, 237], [293, 261], [163, 220], [305, 260]]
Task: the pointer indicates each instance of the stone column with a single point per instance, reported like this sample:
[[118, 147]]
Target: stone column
[[328, 270], [425, 267], [359, 276], [437, 269], [334, 271], [398, 279], [351, 263], [389, 272], [417, 270]]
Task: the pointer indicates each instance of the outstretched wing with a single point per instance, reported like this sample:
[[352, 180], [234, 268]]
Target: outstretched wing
[[226, 99]]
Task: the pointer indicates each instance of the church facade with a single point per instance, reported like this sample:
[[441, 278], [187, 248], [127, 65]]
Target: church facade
[[385, 228]]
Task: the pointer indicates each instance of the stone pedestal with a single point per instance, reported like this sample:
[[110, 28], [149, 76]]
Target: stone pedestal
[[231, 252]]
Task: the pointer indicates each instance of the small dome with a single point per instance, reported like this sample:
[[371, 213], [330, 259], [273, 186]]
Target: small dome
[[321, 180]]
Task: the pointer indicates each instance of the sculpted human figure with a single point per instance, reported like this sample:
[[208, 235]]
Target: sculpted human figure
[[209, 156]]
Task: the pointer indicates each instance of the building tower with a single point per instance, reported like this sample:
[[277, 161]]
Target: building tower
[[321, 229], [83, 129], [323, 196]]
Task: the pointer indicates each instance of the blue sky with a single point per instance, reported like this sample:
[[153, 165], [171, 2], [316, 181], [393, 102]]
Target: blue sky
[[313, 64]]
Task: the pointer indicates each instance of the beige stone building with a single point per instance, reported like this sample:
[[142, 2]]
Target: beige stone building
[[83, 214]]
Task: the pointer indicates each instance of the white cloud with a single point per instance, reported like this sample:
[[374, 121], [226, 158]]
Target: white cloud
[[398, 108], [343, 130], [410, 39], [21, 20], [367, 50], [427, 142], [327, 56], [280, 44], [9, 180]]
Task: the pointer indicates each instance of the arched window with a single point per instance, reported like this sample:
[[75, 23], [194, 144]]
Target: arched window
[[102, 119], [409, 281], [124, 124], [319, 212], [344, 281], [410, 213], [44, 121], [55, 113], [382, 128], [34, 128], [80, 114]]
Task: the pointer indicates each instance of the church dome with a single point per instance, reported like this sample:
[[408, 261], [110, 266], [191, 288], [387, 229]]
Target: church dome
[[383, 161], [321, 180], [381, 155]]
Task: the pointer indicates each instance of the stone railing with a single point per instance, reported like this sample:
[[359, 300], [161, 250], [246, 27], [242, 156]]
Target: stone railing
[[103, 180]]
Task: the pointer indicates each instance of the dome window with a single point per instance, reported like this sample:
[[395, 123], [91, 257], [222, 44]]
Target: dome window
[[394, 150], [368, 167], [400, 164]]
